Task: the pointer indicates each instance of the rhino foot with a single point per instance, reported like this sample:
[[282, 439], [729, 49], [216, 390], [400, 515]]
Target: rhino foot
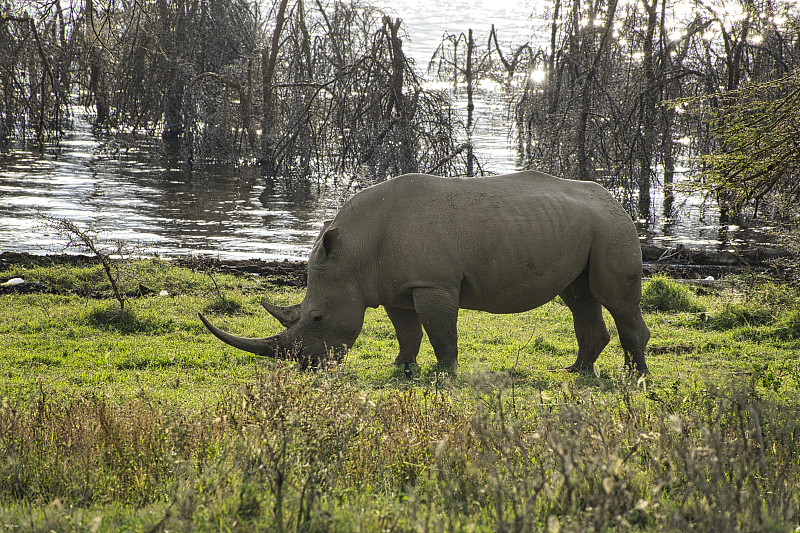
[[404, 359], [582, 368], [640, 369]]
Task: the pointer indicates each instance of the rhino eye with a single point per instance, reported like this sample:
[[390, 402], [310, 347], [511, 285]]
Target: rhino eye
[[317, 317]]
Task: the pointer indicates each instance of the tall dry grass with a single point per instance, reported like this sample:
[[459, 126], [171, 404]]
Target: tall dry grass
[[315, 451]]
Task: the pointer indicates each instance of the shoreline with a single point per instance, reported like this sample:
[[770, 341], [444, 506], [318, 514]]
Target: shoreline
[[678, 262]]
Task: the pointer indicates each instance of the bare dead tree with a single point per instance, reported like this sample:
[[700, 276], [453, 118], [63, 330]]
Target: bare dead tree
[[34, 76], [82, 239]]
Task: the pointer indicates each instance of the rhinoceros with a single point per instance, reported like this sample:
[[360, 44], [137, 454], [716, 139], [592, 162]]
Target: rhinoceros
[[424, 247]]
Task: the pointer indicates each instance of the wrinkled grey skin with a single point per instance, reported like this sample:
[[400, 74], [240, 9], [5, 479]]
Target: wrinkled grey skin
[[423, 247]]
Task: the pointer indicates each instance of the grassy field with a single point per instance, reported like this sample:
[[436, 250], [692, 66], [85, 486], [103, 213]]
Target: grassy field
[[142, 421]]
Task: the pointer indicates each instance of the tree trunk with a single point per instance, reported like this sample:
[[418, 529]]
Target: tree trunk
[[269, 59], [553, 84], [584, 163], [469, 76], [173, 111], [669, 162], [648, 113], [96, 75], [397, 101], [668, 116], [173, 106]]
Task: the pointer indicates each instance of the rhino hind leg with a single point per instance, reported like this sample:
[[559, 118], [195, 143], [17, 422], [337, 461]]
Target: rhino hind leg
[[438, 312], [617, 283], [587, 319], [633, 335], [409, 333]]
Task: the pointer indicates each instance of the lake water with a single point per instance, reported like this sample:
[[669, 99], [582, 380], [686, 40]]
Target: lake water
[[141, 195]]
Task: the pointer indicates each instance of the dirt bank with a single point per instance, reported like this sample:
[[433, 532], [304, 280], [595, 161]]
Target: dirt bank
[[284, 273], [677, 262], [684, 263]]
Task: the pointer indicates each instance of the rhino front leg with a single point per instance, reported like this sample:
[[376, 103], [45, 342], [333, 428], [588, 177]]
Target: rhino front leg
[[409, 333], [438, 311]]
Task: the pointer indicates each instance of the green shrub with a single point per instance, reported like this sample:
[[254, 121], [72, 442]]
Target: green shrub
[[789, 325], [737, 315], [138, 420], [775, 295], [664, 295]]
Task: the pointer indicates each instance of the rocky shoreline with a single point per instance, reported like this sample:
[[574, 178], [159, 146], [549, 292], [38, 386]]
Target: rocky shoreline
[[684, 263]]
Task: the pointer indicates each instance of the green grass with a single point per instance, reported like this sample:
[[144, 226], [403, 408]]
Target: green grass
[[142, 421]]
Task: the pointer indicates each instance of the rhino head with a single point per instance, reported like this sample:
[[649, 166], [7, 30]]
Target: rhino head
[[328, 321]]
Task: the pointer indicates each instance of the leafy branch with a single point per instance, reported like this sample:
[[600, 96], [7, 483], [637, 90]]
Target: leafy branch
[[758, 133]]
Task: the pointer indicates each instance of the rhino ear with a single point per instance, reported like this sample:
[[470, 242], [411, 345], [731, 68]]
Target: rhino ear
[[325, 225], [330, 241]]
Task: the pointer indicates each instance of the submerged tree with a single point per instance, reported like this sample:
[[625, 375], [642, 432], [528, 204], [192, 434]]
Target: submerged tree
[[599, 113], [149, 53], [301, 89], [324, 88], [349, 100], [465, 59], [35, 79]]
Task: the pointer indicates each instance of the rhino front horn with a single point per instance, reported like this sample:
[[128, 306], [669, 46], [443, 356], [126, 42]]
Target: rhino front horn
[[287, 315], [266, 347]]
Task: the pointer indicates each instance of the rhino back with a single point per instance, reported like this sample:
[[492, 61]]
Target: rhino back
[[506, 243]]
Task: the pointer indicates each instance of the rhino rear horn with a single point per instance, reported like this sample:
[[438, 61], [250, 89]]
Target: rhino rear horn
[[287, 315]]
